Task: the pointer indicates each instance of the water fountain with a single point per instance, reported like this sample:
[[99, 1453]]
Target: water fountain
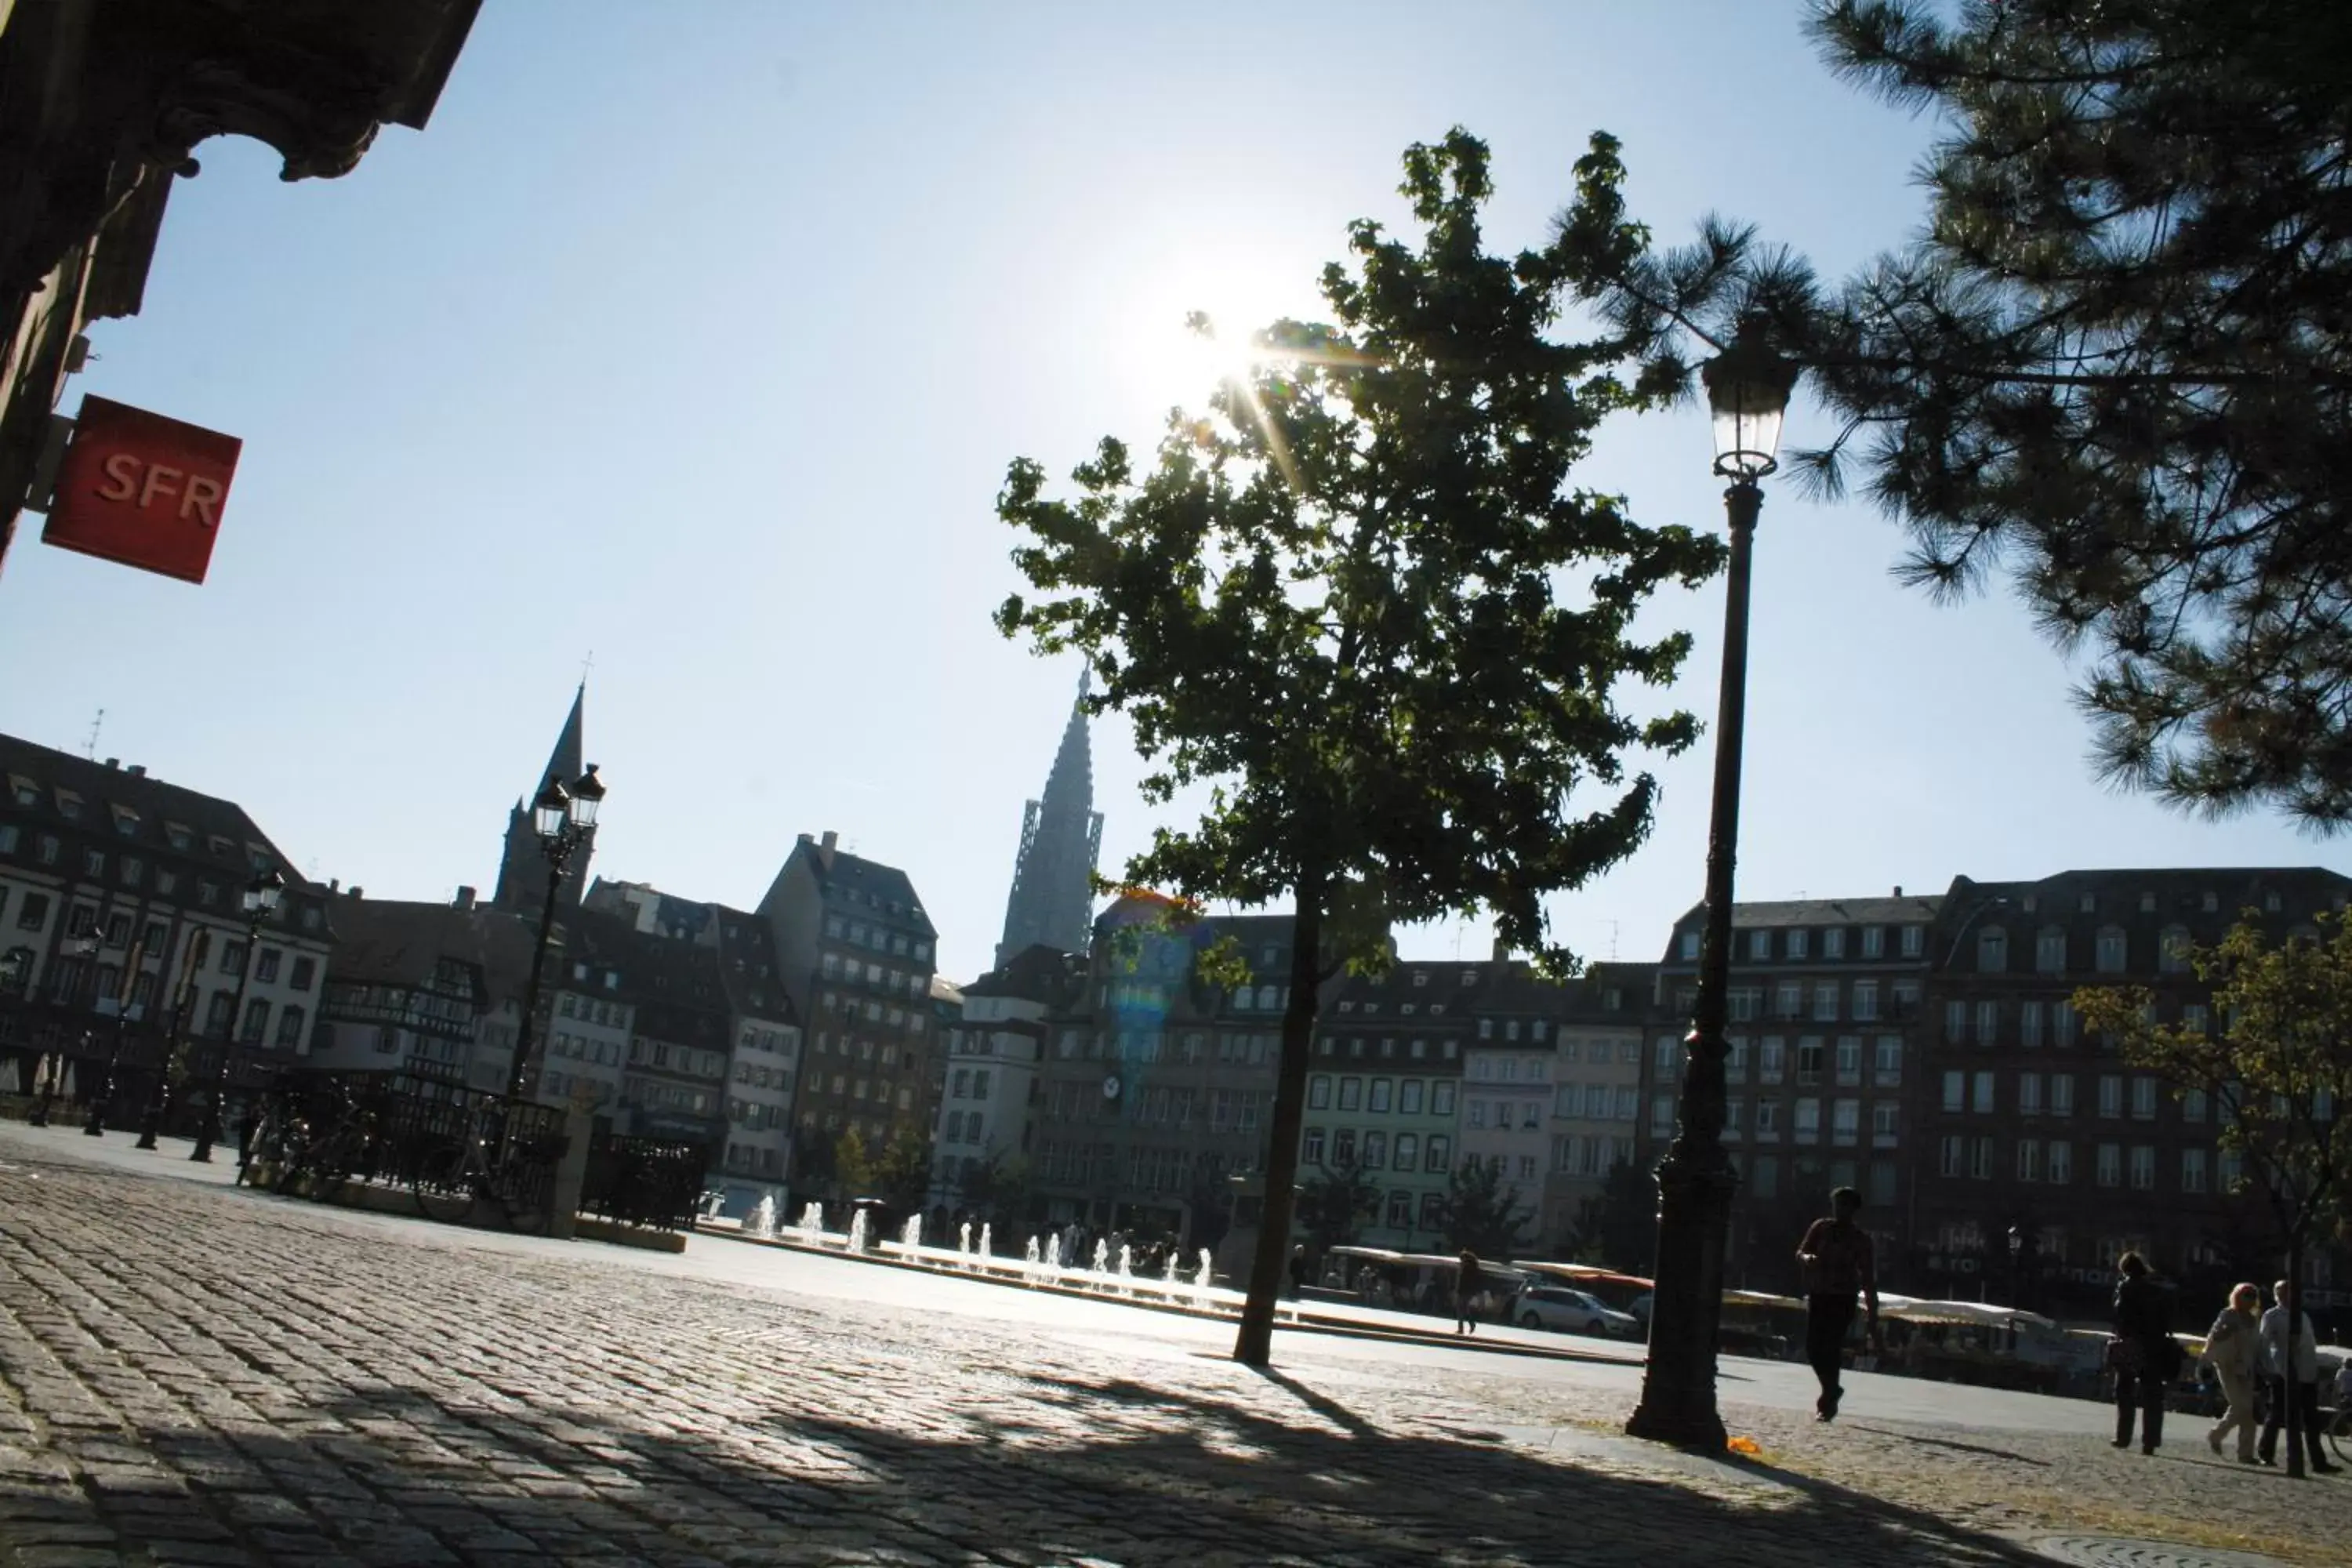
[[1200, 1282], [1102, 1256], [763, 1223], [911, 1234], [986, 1250], [812, 1223], [1125, 1268], [1054, 1255], [1033, 1260], [963, 1237], [1170, 1284], [857, 1231]]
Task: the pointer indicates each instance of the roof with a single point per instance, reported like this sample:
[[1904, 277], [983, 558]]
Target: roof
[[852, 880], [129, 806], [392, 941], [1038, 972], [1906, 909]]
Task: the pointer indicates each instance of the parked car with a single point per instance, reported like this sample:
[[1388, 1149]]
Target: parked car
[[1570, 1311]]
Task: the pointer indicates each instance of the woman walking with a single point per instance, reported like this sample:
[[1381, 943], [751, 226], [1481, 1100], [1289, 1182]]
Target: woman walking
[[2233, 1349], [2142, 1355], [1466, 1289]]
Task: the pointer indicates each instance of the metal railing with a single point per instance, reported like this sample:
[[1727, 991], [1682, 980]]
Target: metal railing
[[653, 1181]]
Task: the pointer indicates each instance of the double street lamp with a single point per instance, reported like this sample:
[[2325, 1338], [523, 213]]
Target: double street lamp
[[1748, 387], [259, 903], [563, 817], [84, 947]]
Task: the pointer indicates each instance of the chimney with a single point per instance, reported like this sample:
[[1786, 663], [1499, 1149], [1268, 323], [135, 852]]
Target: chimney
[[357, 891], [334, 884], [826, 847], [112, 763], [465, 897], [137, 770], [1502, 952], [1898, 890]]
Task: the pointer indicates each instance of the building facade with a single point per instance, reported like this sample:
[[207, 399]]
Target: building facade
[[855, 951], [995, 1048], [2035, 1129], [1827, 1032], [1385, 1092], [430, 988], [121, 926], [1599, 1038]]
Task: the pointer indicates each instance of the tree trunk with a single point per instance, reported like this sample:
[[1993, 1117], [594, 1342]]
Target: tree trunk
[[2294, 1387], [1254, 1346]]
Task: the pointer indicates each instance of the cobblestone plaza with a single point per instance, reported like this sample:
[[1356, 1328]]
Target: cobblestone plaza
[[191, 1373]]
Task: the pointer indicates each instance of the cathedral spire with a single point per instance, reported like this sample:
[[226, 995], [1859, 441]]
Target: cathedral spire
[[523, 869], [1052, 900]]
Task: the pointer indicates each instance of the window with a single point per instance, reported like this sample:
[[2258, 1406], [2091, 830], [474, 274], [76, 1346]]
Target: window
[[1351, 1093], [2143, 1167], [1887, 1060], [265, 968], [1807, 1127], [2109, 1172], [1808, 1058], [1735, 1058], [1874, 942], [1849, 1059], [1318, 1092], [1661, 1116], [2195, 1019], [1478, 1117], [1956, 1022], [132, 871], [1376, 1151], [1690, 947], [2192, 1105], [1992, 950], [2050, 951], [2029, 1160], [1768, 1119], [1825, 1001], [1915, 941], [1952, 1154], [1408, 1150], [232, 957], [32, 912], [1981, 1160], [1310, 1146], [1770, 1053], [2111, 1095], [1796, 943], [1885, 1119], [1833, 942], [1440, 1147], [1379, 1097], [2062, 1024], [1441, 1098], [1845, 1122], [2062, 1094], [289, 1028], [1409, 1096], [2172, 950], [2143, 1099], [2028, 1094], [1981, 1098], [2112, 950], [1865, 1001], [2192, 1170], [1955, 1090], [256, 1020], [1759, 945], [2058, 1163], [1789, 1000], [2029, 1024], [93, 862]]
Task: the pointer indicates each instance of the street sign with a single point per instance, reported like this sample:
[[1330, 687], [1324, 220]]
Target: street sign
[[141, 489]]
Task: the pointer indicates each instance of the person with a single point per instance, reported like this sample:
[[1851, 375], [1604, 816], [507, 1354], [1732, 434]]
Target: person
[[1837, 1263], [1466, 1281], [2344, 1388], [1301, 1271], [2233, 1349], [2291, 1362], [2143, 1355]]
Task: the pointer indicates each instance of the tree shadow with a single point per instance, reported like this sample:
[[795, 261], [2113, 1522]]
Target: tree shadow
[[1925, 1441]]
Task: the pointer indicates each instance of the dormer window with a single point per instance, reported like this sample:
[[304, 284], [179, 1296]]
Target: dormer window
[[69, 805], [1420, 977], [126, 821], [25, 791], [2087, 904], [1799, 942], [177, 835], [2148, 903], [2272, 903]]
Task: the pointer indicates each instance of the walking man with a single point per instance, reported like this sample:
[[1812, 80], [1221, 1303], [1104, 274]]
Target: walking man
[[1836, 1262], [1466, 1283], [2291, 1358]]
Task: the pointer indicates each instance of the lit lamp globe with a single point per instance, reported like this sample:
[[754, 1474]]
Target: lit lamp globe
[[1748, 388]]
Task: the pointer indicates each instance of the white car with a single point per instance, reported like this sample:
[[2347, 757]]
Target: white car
[[1570, 1311]]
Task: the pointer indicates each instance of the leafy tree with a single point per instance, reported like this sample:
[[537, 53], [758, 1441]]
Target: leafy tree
[[1478, 1212], [853, 1167], [2117, 362], [1001, 1189], [2276, 1070], [1358, 602], [1334, 1203], [1618, 1227], [903, 1174]]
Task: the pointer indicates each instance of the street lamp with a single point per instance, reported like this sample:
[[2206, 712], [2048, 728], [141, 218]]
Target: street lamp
[[563, 818], [1748, 387], [259, 903], [2016, 1254], [84, 946]]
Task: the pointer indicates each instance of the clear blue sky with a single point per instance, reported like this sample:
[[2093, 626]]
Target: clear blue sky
[[700, 335]]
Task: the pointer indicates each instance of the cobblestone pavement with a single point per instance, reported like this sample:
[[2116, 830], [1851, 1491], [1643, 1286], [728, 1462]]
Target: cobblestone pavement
[[201, 1376]]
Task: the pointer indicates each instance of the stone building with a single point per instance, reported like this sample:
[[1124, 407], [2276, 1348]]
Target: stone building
[[1599, 1033], [2030, 1127], [982, 1149], [855, 951], [1052, 900], [426, 987], [149, 876], [101, 105], [1507, 1073], [1827, 1035]]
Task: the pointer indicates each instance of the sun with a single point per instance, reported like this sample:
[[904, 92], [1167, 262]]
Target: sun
[[1174, 361]]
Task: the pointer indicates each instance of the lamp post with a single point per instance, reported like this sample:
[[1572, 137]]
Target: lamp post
[[1748, 387], [562, 818], [2016, 1259], [159, 1104], [84, 946], [95, 1125], [259, 903]]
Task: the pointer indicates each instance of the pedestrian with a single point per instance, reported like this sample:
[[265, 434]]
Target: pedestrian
[[1466, 1281], [2291, 1362], [2143, 1355], [2233, 1349], [1301, 1271], [1837, 1263]]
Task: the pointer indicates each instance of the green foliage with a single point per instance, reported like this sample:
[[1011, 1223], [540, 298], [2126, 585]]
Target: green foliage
[[1001, 1189], [1360, 601], [2115, 363], [903, 1174], [2278, 1070], [1333, 1203], [853, 1168], [1478, 1212], [1618, 1227]]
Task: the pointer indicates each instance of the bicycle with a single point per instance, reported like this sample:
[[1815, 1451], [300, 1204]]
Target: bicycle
[[2337, 1424], [451, 1180], [316, 1160]]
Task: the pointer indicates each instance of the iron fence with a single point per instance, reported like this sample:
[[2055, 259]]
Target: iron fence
[[655, 1182]]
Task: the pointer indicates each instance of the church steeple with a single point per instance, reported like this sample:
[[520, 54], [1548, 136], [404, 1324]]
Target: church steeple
[[522, 870], [1052, 900]]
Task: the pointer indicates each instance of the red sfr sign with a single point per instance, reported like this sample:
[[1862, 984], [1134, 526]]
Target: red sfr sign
[[143, 490]]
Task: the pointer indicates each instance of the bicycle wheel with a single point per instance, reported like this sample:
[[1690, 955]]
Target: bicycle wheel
[[444, 1185], [2339, 1435]]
